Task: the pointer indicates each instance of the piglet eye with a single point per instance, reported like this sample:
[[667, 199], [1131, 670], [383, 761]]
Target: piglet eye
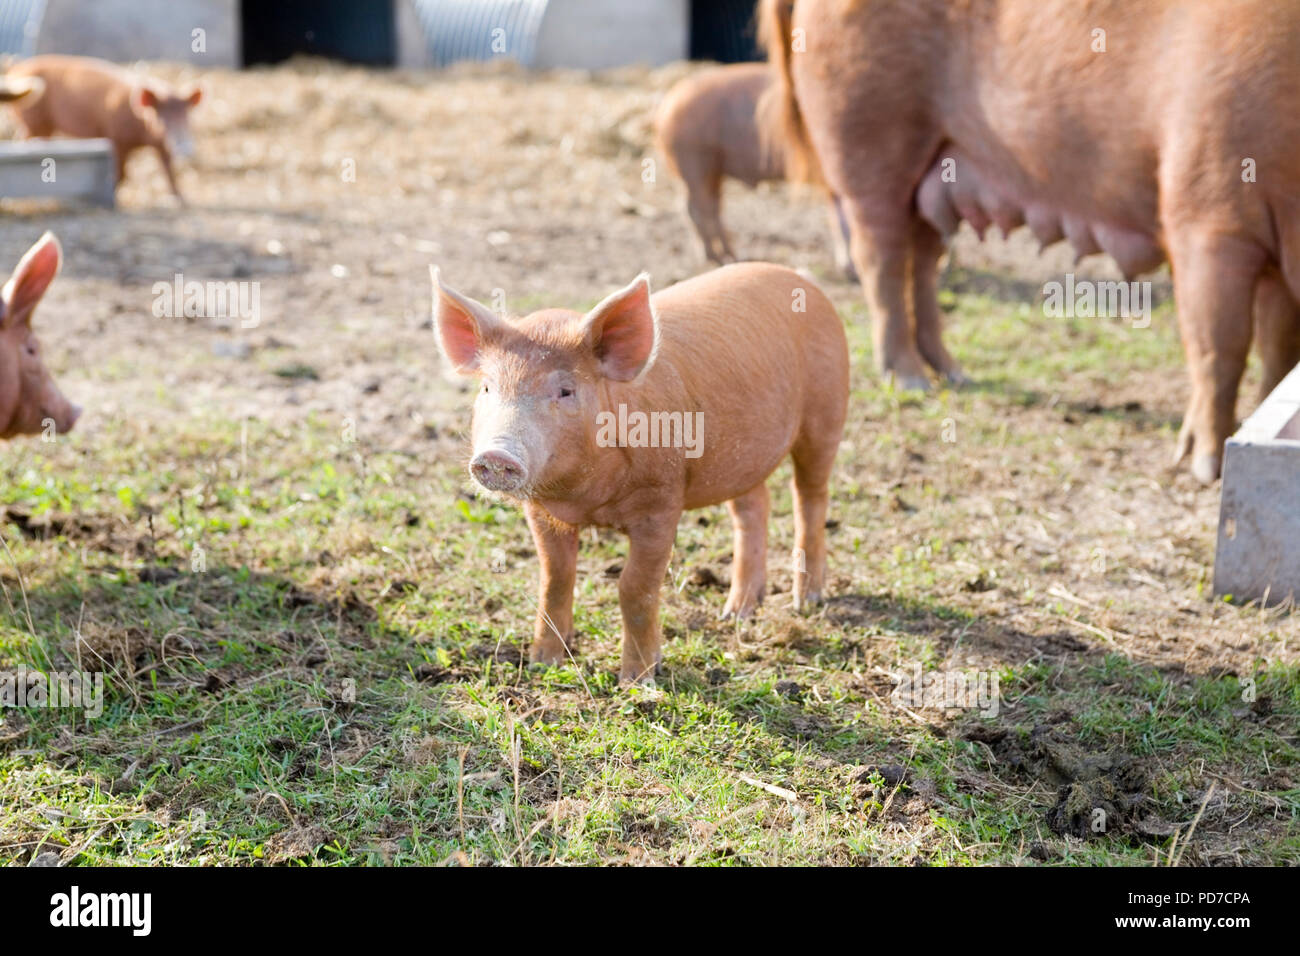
[[566, 392]]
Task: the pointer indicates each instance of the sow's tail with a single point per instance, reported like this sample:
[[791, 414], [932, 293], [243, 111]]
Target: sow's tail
[[780, 124]]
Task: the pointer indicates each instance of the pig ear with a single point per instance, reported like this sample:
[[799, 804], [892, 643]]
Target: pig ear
[[29, 88], [461, 325], [33, 275], [195, 95], [146, 97], [623, 331]]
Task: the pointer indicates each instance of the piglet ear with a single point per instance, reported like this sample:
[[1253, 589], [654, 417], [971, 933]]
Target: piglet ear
[[33, 275], [194, 97], [461, 325], [146, 98], [28, 87], [623, 331]]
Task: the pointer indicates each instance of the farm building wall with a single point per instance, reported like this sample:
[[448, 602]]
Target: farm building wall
[[125, 30], [580, 34], [594, 34], [577, 34]]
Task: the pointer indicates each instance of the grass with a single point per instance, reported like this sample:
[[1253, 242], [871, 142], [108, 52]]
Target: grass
[[314, 648]]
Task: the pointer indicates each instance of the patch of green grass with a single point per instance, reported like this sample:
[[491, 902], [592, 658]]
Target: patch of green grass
[[313, 653]]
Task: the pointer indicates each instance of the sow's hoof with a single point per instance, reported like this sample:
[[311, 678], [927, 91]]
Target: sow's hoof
[[956, 378], [1205, 469], [910, 383]]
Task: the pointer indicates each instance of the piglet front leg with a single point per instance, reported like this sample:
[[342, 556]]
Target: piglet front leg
[[557, 548], [165, 157], [650, 546]]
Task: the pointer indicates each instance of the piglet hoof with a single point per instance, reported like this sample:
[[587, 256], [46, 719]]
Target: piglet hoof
[[631, 676], [1205, 468], [550, 653], [956, 378], [740, 607], [807, 601]]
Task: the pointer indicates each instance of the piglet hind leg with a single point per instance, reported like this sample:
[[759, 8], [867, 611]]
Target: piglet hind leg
[[704, 206], [1214, 287], [814, 456], [557, 548], [650, 547], [749, 559]]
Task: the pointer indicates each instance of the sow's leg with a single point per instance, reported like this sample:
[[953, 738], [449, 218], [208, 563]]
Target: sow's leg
[[1214, 290], [881, 249], [870, 126], [1277, 330], [839, 227], [927, 250]]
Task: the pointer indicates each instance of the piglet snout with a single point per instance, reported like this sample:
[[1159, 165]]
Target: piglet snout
[[497, 470]]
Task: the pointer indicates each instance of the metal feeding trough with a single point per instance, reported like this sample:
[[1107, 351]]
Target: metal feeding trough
[[58, 169], [1258, 554]]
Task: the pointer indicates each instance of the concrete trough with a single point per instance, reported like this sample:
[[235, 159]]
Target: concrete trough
[[58, 169], [1258, 552]]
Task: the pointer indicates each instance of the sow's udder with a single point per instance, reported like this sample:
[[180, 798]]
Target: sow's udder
[[968, 195]]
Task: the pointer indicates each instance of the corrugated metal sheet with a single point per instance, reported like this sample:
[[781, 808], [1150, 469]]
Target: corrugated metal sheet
[[20, 21], [468, 29]]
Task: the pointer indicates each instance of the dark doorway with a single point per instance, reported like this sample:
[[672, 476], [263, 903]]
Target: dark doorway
[[338, 29], [724, 30]]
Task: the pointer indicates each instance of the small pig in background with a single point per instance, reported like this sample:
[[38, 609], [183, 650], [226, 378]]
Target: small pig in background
[[754, 354], [29, 399], [706, 129], [87, 98]]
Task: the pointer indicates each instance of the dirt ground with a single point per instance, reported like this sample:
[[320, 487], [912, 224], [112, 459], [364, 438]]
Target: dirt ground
[[534, 190], [536, 187]]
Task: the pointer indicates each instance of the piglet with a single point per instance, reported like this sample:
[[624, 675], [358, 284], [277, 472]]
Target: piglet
[[30, 402], [85, 97], [706, 129], [648, 406]]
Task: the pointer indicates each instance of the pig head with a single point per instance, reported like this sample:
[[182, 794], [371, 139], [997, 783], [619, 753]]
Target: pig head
[[166, 115], [540, 393], [30, 402]]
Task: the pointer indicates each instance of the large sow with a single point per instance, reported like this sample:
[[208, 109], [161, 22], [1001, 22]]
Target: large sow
[[1147, 129]]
